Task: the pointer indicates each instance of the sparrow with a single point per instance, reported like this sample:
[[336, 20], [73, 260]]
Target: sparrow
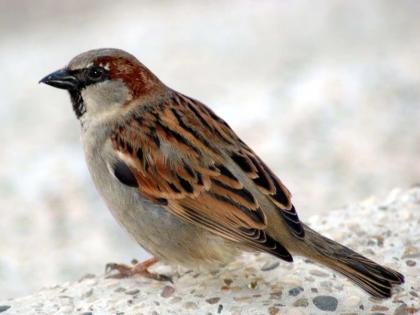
[[182, 182]]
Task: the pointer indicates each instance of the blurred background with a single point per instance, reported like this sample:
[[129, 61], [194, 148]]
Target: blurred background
[[328, 94]]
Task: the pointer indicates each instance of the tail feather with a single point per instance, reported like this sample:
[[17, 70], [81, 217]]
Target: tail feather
[[370, 276]]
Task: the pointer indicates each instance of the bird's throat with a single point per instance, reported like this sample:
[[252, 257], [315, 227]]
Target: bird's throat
[[79, 106]]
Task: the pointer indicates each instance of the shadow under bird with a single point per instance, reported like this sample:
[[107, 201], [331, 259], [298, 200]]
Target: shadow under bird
[[181, 181]]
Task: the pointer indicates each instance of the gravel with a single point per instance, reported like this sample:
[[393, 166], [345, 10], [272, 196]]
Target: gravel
[[325, 303], [229, 291]]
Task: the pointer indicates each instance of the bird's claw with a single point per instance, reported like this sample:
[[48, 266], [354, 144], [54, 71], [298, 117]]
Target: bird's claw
[[125, 271]]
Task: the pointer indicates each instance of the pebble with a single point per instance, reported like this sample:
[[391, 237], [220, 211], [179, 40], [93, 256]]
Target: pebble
[[253, 284], [411, 252], [167, 291], [120, 289], [276, 295], [295, 291], [190, 306], [228, 281], [326, 284], [132, 292], [319, 273], [410, 263], [352, 301], [270, 265], [219, 309], [379, 308], [302, 302], [325, 303], [213, 300]]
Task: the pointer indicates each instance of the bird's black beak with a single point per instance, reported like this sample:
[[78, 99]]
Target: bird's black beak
[[61, 79]]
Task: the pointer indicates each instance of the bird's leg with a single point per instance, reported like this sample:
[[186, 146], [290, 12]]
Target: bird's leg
[[137, 268]]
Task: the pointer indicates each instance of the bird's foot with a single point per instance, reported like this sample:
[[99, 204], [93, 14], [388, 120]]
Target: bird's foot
[[136, 268]]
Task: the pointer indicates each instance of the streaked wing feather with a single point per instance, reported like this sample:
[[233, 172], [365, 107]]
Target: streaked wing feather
[[175, 154]]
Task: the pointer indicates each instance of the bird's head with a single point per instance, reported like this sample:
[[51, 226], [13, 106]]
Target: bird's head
[[103, 81]]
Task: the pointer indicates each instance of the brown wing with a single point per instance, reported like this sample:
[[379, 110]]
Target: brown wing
[[267, 182], [173, 153]]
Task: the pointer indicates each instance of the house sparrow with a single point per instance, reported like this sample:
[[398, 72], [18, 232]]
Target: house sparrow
[[181, 181]]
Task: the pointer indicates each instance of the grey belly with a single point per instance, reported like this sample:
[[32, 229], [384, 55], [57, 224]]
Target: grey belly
[[156, 229]]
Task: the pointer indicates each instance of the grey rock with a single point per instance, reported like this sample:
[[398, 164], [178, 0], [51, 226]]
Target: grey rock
[[213, 300], [270, 266], [325, 303], [295, 291], [410, 263]]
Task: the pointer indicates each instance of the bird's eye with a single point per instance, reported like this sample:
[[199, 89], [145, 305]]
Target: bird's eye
[[95, 73]]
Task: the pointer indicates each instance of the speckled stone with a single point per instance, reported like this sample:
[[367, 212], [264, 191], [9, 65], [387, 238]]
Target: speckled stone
[[295, 291], [302, 302], [325, 303], [244, 285], [167, 291]]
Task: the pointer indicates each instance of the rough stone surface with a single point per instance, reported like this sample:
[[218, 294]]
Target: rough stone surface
[[390, 236]]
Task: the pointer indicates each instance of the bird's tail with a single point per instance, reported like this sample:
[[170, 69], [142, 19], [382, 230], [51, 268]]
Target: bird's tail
[[373, 278]]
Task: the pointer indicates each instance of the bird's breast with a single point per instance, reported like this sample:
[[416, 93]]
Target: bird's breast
[[155, 228]]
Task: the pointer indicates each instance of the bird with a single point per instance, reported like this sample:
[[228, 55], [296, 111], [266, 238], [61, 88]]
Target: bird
[[182, 182]]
